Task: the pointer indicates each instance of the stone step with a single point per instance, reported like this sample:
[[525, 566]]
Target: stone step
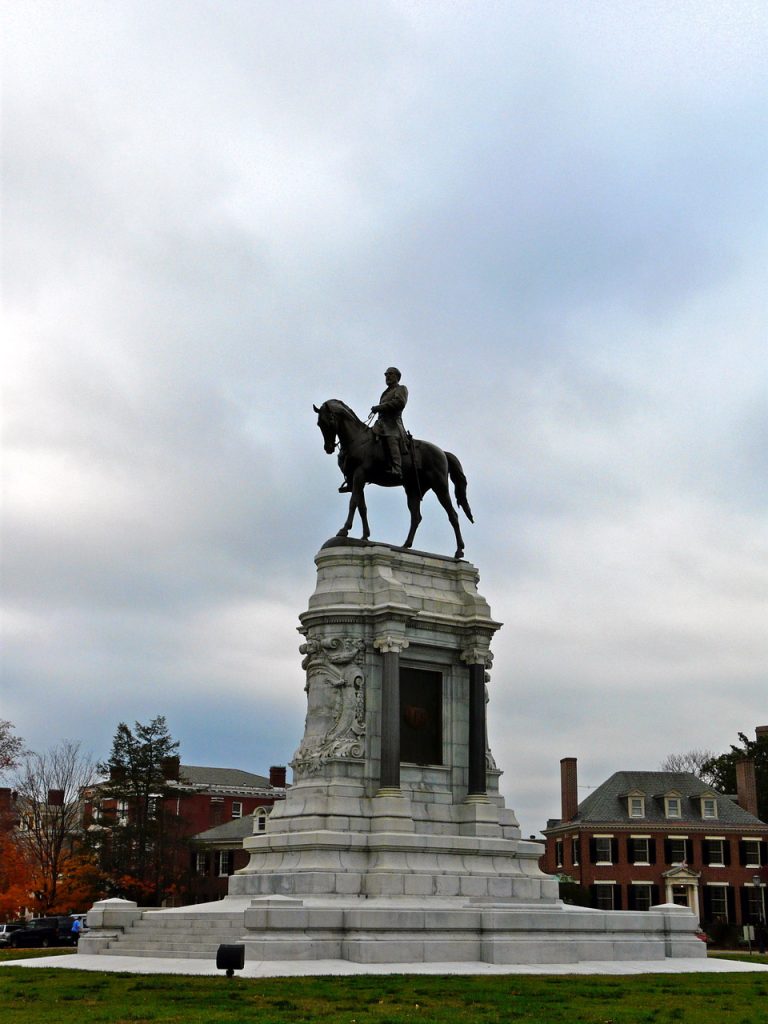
[[187, 928], [205, 947], [160, 954]]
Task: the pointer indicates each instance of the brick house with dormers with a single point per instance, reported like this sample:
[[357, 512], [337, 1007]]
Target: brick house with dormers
[[644, 838]]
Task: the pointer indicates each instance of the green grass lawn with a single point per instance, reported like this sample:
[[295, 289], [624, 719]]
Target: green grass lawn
[[40, 995]]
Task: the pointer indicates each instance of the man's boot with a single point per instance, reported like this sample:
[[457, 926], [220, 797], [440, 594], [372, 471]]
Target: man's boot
[[395, 471]]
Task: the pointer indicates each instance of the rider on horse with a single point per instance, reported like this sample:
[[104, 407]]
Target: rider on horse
[[388, 427]]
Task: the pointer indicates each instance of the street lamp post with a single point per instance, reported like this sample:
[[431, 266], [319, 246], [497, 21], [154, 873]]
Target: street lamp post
[[760, 930]]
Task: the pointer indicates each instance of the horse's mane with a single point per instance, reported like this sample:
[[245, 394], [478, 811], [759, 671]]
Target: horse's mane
[[340, 406]]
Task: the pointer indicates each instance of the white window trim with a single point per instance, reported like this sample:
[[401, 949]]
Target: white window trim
[[670, 799], [630, 801], [239, 805], [709, 800], [643, 863], [604, 863], [757, 848]]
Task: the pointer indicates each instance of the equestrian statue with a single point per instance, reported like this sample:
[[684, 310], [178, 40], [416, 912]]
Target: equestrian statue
[[387, 455]]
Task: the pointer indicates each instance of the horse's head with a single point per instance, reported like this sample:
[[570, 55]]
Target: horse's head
[[326, 420]]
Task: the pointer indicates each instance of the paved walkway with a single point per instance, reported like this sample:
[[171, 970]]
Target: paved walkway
[[299, 968]]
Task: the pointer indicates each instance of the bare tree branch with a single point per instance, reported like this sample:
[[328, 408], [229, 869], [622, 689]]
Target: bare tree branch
[[691, 761], [49, 789]]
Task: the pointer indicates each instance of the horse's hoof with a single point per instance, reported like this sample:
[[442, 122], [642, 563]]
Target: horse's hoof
[[342, 533], [459, 553]]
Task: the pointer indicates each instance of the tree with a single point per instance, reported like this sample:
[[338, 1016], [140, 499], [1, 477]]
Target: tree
[[16, 878], [141, 848], [721, 771], [693, 761], [11, 747], [49, 807]]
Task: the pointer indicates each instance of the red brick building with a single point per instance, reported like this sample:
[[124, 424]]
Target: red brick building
[[202, 800], [643, 838], [218, 852], [200, 797]]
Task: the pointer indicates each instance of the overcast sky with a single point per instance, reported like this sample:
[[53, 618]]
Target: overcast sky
[[551, 216]]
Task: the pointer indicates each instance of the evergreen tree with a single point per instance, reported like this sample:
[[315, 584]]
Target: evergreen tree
[[721, 771], [143, 852]]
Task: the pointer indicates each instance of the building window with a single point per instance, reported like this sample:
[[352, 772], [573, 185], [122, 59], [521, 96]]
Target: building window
[[604, 895], [223, 863], [559, 853], [639, 850], [641, 896], [714, 852], [237, 809], [637, 807], [718, 901], [575, 851], [708, 807], [677, 852], [201, 863], [751, 853], [260, 819], [673, 807], [603, 849]]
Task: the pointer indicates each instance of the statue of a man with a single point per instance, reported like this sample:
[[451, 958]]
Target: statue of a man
[[388, 426]]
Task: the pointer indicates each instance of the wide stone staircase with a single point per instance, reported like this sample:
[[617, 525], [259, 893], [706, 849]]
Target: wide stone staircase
[[182, 935]]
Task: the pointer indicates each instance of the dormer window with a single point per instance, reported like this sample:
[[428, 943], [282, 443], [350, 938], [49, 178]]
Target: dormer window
[[708, 807], [673, 807], [636, 806]]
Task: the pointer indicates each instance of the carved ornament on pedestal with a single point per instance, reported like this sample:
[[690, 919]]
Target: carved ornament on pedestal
[[335, 687]]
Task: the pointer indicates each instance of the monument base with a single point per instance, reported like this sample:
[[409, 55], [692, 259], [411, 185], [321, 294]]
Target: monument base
[[391, 931], [394, 845]]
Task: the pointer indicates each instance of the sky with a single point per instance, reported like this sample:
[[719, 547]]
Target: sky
[[550, 216]]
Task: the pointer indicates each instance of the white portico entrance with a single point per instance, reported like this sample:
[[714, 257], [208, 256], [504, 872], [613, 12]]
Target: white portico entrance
[[682, 887]]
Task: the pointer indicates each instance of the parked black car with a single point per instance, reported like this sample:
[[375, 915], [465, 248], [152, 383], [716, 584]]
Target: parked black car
[[7, 929], [43, 931]]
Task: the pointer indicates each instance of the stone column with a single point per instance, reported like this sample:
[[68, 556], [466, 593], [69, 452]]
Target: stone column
[[389, 772], [476, 659]]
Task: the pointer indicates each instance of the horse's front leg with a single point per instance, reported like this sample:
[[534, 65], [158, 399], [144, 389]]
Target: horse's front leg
[[414, 507], [356, 504], [358, 494], [344, 531]]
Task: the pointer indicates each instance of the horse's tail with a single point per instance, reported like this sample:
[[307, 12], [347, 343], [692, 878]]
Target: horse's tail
[[459, 484]]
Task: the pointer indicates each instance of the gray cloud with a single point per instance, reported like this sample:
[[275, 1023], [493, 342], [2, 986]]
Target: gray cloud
[[551, 218]]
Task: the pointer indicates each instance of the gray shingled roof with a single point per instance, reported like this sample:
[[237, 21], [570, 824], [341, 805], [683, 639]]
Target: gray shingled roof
[[228, 778], [231, 831], [608, 802]]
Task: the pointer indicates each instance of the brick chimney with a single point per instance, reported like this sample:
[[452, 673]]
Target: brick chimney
[[746, 785], [761, 732], [277, 776], [169, 766], [568, 789], [5, 801], [55, 797]]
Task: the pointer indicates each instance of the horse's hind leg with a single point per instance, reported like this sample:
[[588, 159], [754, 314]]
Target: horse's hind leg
[[444, 497]]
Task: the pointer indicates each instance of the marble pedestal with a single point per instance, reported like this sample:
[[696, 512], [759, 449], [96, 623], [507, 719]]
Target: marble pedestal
[[393, 843]]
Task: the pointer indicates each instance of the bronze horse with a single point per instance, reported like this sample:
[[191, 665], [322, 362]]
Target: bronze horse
[[425, 467]]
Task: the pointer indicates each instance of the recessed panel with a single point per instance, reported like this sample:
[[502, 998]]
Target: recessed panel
[[421, 716]]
